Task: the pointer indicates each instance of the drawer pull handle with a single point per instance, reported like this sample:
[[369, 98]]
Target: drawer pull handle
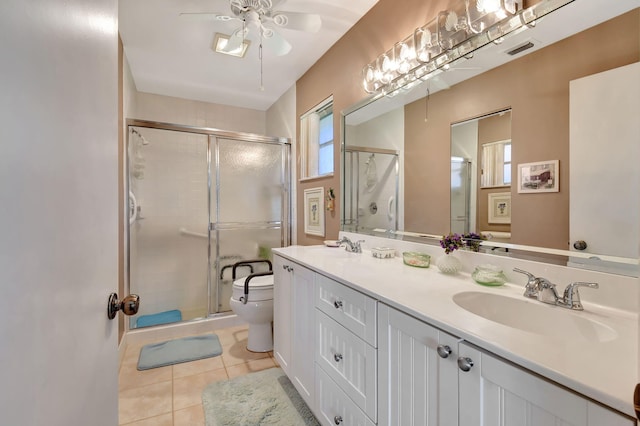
[[285, 267], [337, 357], [444, 351], [465, 363], [337, 304], [337, 420]]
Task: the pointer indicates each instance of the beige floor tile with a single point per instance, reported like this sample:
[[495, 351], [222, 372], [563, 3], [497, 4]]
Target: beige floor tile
[[192, 416], [144, 402], [230, 336], [187, 391], [250, 367], [129, 376], [196, 367], [163, 420], [238, 353]]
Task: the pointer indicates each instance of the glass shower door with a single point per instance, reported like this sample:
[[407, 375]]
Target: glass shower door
[[250, 211], [168, 234]]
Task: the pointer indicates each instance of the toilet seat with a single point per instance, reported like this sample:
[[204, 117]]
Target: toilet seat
[[260, 288]]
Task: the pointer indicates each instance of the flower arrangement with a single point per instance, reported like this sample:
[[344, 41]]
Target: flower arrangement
[[469, 240]]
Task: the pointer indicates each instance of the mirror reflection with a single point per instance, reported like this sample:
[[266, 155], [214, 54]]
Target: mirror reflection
[[480, 169], [532, 89]]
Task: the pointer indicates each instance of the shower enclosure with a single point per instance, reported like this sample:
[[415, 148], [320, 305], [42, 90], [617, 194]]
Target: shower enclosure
[[371, 189], [200, 200], [462, 202]]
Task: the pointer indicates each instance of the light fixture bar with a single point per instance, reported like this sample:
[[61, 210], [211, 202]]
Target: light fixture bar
[[453, 34]]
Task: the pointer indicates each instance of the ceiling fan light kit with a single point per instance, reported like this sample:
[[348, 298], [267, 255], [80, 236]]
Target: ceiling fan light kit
[[451, 35], [223, 43]]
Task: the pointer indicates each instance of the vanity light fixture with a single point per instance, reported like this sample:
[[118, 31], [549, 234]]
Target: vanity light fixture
[[451, 35], [220, 43]]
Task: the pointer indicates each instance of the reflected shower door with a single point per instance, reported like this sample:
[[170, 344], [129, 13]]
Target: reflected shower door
[[250, 211], [168, 238], [460, 196]]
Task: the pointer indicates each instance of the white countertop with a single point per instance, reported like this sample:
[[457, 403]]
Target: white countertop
[[604, 371]]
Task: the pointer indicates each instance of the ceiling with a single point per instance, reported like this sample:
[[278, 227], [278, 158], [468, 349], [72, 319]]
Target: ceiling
[[171, 55]]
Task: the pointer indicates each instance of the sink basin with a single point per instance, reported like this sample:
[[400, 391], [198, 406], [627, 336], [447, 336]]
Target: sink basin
[[534, 317]]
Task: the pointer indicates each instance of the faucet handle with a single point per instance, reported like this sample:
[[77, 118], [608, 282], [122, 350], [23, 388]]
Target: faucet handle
[[571, 297], [533, 284]]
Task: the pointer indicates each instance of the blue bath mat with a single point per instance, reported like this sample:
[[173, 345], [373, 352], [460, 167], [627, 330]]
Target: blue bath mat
[[179, 350], [159, 318]]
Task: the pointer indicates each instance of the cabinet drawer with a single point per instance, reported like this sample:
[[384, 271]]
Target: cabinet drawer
[[349, 361], [333, 406], [352, 309]]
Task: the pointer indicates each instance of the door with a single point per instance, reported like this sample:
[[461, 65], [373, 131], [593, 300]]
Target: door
[[611, 171], [59, 210], [282, 311], [249, 206], [417, 372]]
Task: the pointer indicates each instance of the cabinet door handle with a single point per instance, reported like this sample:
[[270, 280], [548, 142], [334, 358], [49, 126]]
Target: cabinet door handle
[[465, 363], [337, 357], [444, 351], [337, 420], [337, 304], [285, 267]]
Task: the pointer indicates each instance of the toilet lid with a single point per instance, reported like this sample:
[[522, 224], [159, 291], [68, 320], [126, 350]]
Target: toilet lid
[[262, 282]]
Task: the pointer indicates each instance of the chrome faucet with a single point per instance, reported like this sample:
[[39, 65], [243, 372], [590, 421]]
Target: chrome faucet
[[571, 297], [351, 246], [545, 291]]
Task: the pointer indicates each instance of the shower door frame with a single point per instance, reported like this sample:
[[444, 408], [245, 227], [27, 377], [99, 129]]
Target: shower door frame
[[212, 138]]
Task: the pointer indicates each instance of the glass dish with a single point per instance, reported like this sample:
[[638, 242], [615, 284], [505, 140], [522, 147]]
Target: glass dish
[[489, 275], [417, 259]]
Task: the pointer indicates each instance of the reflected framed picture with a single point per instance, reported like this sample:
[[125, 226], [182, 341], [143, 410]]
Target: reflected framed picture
[[500, 207], [314, 211], [542, 176]]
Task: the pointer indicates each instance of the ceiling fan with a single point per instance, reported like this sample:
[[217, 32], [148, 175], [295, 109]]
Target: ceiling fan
[[257, 16]]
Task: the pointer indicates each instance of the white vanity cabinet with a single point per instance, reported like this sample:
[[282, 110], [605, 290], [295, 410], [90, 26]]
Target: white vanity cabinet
[[294, 324], [418, 372], [428, 377], [346, 356], [494, 392]]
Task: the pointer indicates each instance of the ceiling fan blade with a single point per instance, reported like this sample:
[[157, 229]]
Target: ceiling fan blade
[[207, 16], [275, 42], [308, 22]]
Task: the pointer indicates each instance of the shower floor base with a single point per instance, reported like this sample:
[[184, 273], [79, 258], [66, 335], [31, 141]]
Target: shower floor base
[[159, 318]]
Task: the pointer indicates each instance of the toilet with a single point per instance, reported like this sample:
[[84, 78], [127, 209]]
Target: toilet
[[258, 309]]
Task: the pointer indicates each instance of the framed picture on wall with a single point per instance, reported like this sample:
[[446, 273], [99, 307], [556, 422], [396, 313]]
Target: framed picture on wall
[[314, 211], [500, 207], [542, 176]]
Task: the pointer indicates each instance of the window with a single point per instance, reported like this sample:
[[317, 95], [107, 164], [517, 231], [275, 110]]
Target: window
[[506, 175], [316, 135]]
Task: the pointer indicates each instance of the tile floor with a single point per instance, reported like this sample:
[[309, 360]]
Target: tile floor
[[172, 395]]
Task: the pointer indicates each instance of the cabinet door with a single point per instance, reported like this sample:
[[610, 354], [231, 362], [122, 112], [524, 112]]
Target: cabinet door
[[494, 392], [416, 386], [303, 333], [282, 310]]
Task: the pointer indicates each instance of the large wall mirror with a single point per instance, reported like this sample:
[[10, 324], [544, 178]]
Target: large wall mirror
[[524, 147]]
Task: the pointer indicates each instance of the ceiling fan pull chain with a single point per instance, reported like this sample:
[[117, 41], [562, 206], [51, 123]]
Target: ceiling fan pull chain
[[260, 55]]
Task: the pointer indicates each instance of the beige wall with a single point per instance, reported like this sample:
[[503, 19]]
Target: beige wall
[[541, 126]]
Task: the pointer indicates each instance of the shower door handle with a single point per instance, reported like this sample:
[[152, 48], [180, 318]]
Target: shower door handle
[[129, 305]]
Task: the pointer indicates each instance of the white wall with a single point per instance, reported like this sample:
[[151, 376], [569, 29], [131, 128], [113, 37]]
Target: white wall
[[282, 121], [196, 113]]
